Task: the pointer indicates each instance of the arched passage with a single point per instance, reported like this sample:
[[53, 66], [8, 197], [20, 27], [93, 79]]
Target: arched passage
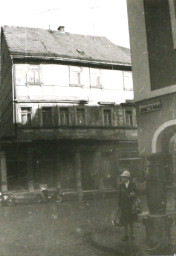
[[156, 140], [164, 141]]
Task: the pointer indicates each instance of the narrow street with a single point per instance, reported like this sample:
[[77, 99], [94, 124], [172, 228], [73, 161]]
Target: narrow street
[[57, 229]]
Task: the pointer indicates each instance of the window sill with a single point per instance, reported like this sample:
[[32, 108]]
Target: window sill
[[76, 85], [29, 84], [129, 90], [96, 87]]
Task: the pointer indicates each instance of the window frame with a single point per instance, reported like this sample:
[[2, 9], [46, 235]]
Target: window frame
[[23, 110], [59, 116], [52, 120], [132, 117], [98, 74], [111, 117], [71, 76], [35, 69], [127, 88], [76, 116]]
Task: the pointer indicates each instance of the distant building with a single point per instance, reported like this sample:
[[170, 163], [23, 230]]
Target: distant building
[[67, 111], [152, 26]]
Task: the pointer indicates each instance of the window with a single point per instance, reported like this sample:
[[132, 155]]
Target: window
[[47, 116], [107, 117], [127, 81], [80, 116], [95, 78], [26, 114], [75, 76], [33, 74], [129, 117], [63, 116]]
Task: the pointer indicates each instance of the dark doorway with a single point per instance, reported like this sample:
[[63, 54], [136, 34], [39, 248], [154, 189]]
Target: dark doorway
[[16, 175], [88, 172]]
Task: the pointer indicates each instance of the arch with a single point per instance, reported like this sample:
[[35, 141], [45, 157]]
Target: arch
[[158, 131]]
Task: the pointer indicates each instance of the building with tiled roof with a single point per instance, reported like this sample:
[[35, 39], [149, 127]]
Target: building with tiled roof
[[61, 45], [67, 112]]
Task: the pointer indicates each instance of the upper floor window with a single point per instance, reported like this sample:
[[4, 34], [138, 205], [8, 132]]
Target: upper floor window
[[47, 118], [75, 75], [26, 114], [129, 117], [63, 116], [127, 81], [80, 116], [107, 117], [33, 75], [95, 78]]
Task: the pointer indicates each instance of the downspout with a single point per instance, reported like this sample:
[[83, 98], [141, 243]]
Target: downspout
[[14, 98]]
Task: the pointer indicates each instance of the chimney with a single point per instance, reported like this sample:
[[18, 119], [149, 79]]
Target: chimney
[[61, 29]]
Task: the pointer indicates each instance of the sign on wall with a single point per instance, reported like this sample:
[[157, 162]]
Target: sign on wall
[[150, 107]]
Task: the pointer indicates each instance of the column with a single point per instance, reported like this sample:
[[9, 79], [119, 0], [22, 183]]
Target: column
[[98, 167], [30, 170], [157, 223], [78, 175], [3, 171], [174, 166], [116, 167], [59, 170], [95, 170]]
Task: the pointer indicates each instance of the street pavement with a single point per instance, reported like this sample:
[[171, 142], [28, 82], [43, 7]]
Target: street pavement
[[66, 229], [53, 229]]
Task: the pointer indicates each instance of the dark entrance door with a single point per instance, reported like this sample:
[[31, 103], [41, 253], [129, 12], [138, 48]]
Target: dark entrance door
[[88, 172], [16, 175]]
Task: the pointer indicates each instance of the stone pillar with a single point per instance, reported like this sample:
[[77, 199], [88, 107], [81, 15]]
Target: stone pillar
[[157, 223], [3, 170], [174, 167], [78, 175], [30, 170]]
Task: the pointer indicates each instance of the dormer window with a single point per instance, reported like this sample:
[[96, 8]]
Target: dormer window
[[80, 51], [33, 75]]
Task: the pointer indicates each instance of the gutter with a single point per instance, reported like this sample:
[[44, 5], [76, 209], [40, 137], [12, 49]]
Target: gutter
[[69, 60]]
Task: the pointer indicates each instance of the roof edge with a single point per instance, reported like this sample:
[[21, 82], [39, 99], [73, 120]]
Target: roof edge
[[71, 60]]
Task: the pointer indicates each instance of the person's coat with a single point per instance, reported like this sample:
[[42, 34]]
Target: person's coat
[[126, 201]]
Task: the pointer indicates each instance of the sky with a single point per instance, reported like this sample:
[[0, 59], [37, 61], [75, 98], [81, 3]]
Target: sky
[[90, 17]]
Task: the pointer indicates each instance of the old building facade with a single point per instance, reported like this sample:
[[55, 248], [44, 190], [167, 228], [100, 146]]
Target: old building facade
[[67, 111]]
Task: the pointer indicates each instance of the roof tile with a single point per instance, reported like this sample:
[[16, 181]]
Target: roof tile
[[41, 42]]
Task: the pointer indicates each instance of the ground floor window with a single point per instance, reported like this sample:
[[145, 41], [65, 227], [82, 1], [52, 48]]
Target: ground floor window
[[47, 116]]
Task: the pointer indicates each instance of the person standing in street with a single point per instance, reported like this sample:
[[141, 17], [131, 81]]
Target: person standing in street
[[127, 195]]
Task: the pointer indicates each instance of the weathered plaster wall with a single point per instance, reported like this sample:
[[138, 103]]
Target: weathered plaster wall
[[56, 85]]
